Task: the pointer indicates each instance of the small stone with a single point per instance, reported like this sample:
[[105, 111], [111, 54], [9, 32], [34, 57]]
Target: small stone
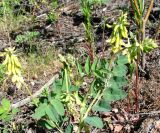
[[115, 110], [32, 83], [104, 9]]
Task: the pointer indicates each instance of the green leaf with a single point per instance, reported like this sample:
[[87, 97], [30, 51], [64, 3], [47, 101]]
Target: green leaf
[[46, 123], [69, 129], [119, 70], [113, 94], [3, 116], [94, 65], [15, 111], [6, 104], [73, 88], [57, 86], [58, 106], [98, 74], [132, 67], [40, 111], [87, 66], [105, 71], [5, 130], [98, 84], [104, 64], [20, 39], [1, 110], [122, 60], [62, 59], [7, 118], [65, 118], [80, 70], [101, 109], [103, 106], [49, 125], [120, 81], [28, 36], [65, 81], [148, 45], [93, 86], [57, 116], [50, 114], [94, 121]]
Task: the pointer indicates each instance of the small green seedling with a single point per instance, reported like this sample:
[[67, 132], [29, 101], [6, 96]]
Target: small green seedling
[[27, 36]]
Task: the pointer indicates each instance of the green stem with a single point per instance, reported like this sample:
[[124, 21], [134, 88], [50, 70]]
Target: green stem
[[88, 92], [94, 102], [137, 87], [111, 60], [91, 105], [142, 38], [29, 92], [66, 77], [149, 10], [59, 129], [85, 98], [27, 89], [88, 110]]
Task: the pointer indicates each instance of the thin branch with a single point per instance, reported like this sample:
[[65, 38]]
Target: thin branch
[[149, 11], [149, 113], [36, 94]]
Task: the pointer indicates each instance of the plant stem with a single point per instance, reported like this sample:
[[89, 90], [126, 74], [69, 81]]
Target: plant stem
[[85, 98], [86, 113], [111, 60], [141, 23], [103, 40], [58, 128], [142, 38], [137, 89], [27, 89], [144, 21], [106, 87], [90, 106], [149, 11], [66, 77], [136, 6], [29, 92]]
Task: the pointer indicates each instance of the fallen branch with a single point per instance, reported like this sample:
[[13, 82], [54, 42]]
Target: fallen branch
[[148, 113], [36, 94]]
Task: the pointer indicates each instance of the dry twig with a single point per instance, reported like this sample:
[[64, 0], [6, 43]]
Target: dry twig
[[36, 94]]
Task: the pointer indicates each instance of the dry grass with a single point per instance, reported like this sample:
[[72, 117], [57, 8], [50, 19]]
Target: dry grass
[[35, 66]]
